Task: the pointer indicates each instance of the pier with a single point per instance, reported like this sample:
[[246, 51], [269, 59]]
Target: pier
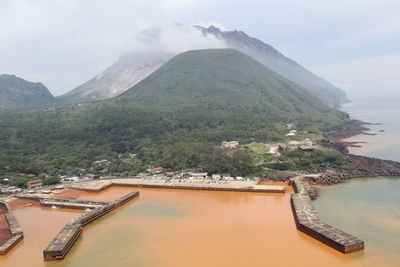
[[61, 244], [308, 222]]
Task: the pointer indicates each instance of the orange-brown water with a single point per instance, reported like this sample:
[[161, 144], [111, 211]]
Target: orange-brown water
[[39, 225], [181, 228]]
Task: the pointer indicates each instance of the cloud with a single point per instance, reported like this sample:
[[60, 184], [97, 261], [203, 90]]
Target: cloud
[[63, 43], [176, 38]]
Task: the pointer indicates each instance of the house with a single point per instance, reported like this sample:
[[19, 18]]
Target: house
[[102, 162], [198, 174], [227, 178], [307, 142], [156, 170], [170, 174], [239, 178], [216, 176], [230, 144], [34, 184], [307, 148], [291, 134], [70, 179], [294, 143]]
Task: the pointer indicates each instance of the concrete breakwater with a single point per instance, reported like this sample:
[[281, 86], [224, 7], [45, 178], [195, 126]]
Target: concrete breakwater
[[61, 244], [15, 230], [308, 221], [201, 184]]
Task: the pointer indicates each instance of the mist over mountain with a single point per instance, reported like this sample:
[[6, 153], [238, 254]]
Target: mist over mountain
[[16, 92], [276, 61], [158, 45]]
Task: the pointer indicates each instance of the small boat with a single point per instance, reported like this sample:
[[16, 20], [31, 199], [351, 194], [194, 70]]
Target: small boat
[[54, 207], [88, 209], [46, 191], [60, 186], [30, 191]]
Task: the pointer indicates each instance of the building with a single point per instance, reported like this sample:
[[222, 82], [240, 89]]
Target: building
[[157, 170], [307, 142], [230, 145], [198, 174], [216, 176], [170, 174], [70, 179], [34, 184], [307, 148]]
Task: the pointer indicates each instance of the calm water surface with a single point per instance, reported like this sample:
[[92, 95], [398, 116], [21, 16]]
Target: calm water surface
[[184, 228], [369, 208]]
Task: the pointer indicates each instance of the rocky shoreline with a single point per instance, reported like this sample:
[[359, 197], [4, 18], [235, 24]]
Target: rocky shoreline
[[358, 166]]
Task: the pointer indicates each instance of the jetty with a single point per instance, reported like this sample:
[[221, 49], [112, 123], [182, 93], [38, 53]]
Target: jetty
[[308, 221], [65, 239]]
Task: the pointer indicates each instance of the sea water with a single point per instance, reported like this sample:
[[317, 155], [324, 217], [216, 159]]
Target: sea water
[[369, 208]]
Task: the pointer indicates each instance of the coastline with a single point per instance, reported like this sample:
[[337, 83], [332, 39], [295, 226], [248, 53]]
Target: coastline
[[358, 166]]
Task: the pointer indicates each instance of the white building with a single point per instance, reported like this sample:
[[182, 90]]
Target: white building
[[198, 174], [216, 176]]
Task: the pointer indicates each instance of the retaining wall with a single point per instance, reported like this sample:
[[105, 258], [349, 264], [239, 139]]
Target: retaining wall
[[308, 221], [15, 229]]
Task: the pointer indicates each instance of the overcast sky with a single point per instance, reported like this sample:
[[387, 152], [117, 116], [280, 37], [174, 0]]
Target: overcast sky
[[63, 43]]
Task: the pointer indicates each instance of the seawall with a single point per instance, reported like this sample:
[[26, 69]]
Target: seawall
[[308, 221], [62, 243], [15, 230], [99, 185]]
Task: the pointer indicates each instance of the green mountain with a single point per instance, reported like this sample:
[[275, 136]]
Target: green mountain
[[225, 78], [176, 118], [132, 68], [17, 92]]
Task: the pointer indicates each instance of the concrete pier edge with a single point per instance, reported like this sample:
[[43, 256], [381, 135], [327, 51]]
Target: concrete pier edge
[[308, 221], [132, 182]]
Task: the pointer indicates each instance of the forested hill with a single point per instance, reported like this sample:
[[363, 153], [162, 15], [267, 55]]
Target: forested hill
[[17, 92], [175, 118], [227, 79]]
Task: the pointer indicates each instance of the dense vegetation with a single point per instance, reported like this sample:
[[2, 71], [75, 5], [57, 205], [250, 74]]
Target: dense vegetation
[[17, 92], [175, 118], [299, 160]]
